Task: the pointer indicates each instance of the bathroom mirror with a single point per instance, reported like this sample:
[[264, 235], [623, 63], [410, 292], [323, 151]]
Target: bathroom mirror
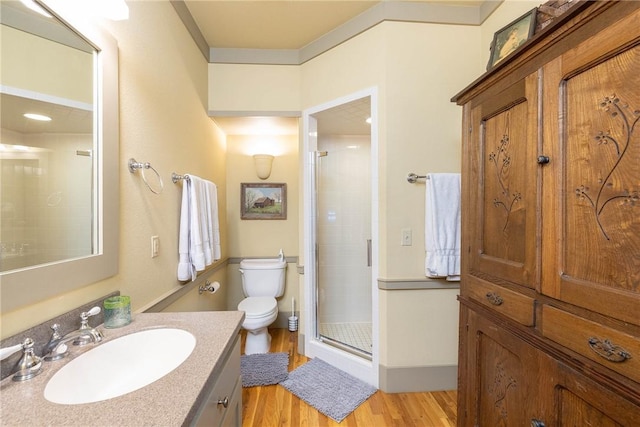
[[59, 180]]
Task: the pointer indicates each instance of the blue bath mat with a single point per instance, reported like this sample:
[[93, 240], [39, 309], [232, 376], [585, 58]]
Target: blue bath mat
[[328, 389], [263, 368]]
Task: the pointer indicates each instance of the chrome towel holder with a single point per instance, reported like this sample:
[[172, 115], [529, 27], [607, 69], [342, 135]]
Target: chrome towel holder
[[175, 177], [413, 178], [135, 165]]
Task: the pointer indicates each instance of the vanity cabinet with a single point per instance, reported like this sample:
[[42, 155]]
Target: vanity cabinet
[[223, 404], [550, 286]]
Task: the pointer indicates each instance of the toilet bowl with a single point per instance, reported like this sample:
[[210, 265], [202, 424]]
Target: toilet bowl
[[262, 282], [260, 312]]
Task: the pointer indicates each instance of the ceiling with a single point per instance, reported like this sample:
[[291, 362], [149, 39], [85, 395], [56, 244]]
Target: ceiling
[[290, 24], [299, 26], [270, 24], [64, 119]]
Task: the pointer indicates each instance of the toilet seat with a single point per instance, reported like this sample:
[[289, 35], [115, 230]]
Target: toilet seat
[[258, 307]]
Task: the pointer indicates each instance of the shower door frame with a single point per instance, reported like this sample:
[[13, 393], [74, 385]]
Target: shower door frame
[[362, 368]]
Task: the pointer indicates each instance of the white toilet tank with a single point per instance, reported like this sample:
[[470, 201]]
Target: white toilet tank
[[263, 277]]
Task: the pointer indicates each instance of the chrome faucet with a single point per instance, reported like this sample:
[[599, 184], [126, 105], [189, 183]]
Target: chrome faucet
[[57, 347], [29, 365]]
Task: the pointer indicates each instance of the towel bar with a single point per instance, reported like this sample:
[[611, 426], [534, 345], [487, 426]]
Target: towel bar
[[413, 178], [175, 177]]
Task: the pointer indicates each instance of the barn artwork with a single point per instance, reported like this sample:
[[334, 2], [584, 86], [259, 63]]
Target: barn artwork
[[263, 201]]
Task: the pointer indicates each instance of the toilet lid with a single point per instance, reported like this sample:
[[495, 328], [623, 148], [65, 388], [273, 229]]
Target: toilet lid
[[258, 306]]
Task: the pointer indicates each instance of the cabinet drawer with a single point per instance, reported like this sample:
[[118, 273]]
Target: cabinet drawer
[[607, 346], [214, 413], [511, 304]]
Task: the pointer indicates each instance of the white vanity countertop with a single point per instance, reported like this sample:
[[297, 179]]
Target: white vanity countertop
[[170, 401]]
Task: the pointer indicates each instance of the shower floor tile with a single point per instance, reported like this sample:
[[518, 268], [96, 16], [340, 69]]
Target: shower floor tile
[[356, 335]]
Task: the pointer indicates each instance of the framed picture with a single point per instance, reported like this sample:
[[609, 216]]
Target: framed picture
[[263, 201], [508, 39]]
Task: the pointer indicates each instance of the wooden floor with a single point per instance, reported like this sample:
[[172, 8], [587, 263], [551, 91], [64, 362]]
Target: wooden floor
[[275, 406]]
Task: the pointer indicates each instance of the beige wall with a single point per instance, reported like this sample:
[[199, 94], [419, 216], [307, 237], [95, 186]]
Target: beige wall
[[262, 238], [163, 120], [254, 88]]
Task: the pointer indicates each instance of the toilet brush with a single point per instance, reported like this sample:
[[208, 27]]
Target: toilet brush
[[293, 319]]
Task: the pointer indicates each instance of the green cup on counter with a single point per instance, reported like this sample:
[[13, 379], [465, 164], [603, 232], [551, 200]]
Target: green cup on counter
[[117, 311]]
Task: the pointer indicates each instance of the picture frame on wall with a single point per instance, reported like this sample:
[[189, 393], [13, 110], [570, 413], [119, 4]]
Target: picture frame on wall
[[263, 201], [509, 38]]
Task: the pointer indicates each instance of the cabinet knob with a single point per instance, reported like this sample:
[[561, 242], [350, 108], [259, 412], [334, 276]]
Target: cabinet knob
[[543, 160], [536, 423], [224, 402]]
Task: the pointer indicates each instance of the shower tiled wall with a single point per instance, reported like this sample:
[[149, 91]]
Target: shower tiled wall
[[344, 225]]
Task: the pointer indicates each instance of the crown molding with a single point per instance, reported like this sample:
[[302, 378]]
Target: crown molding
[[399, 11], [190, 24]]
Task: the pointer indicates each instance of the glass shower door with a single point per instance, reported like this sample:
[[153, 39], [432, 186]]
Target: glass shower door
[[343, 242]]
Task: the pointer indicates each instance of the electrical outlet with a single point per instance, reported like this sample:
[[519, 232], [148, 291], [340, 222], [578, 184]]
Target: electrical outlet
[[155, 246], [406, 237]]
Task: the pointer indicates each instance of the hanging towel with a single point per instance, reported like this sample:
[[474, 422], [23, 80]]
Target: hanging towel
[[213, 225], [442, 226], [199, 240]]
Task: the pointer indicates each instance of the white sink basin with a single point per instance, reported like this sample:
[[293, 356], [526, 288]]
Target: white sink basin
[[120, 366]]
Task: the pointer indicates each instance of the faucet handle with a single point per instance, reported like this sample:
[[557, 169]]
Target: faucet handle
[[84, 316], [84, 325], [29, 365], [8, 351]]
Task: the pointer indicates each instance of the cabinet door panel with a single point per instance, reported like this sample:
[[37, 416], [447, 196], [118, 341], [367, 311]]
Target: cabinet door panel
[[576, 412], [580, 401], [503, 185], [597, 184], [500, 373]]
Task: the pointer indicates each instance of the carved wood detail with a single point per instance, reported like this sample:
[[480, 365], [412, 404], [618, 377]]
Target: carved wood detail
[[501, 161], [628, 119], [499, 389]]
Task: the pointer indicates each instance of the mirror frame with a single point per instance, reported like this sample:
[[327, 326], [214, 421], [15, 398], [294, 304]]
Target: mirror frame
[[30, 285]]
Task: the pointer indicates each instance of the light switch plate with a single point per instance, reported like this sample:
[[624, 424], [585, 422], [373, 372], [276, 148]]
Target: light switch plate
[[155, 246], [406, 237]]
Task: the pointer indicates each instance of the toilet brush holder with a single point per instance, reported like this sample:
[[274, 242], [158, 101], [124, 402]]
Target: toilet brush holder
[[293, 323]]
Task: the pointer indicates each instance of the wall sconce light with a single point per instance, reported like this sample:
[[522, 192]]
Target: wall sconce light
[[263, 165]]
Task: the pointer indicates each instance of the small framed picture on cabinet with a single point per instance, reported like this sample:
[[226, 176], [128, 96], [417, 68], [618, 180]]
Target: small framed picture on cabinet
[[509, 38]]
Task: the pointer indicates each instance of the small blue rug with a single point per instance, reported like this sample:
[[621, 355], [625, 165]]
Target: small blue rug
[[263, 368], [328, 389]]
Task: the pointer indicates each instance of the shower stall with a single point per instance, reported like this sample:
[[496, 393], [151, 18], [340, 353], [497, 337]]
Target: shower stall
[[340, 241], [343, 238]]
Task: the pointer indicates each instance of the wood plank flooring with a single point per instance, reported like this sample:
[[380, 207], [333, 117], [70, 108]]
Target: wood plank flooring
[[275, 406]]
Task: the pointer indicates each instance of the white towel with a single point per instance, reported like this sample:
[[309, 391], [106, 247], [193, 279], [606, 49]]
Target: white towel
[[199, 240], [442, 226], [212, 221]]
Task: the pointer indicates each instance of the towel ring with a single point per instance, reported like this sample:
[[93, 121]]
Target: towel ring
[[134, 165]]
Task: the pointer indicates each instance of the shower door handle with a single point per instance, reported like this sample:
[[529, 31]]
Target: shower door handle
[[368, 252]]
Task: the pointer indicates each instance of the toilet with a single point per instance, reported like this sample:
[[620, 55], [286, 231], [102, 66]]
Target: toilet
[[262, 281]]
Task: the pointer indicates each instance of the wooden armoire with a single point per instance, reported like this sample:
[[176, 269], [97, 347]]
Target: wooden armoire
[[550, 288]]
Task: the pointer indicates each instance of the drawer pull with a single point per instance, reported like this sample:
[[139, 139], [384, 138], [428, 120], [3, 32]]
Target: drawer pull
[[608, 350], [494, 298], [537, 423], [224, 402]]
